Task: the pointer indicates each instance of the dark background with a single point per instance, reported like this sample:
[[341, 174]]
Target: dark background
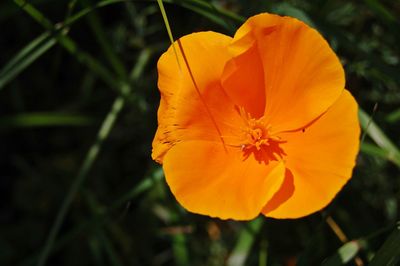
[[59, 83]]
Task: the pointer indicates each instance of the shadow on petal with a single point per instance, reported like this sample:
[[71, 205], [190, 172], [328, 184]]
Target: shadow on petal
[[282, 195]]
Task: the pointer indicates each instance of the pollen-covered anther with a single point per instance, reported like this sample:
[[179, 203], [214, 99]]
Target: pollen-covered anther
[[257, 137], [256, 134]]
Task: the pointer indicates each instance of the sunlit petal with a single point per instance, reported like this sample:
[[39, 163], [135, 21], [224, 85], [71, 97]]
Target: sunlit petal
[[208, 179], [303, 77], [321, 159], [182, 114]]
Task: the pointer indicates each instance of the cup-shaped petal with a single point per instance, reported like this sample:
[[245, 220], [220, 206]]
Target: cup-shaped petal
[[302, 75], [321, 159]]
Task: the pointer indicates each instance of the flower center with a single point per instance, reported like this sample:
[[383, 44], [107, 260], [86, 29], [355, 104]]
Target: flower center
[[259, 139], [255, 134]]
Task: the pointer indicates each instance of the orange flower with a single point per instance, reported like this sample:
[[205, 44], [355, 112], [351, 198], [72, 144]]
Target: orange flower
[[258, 123]]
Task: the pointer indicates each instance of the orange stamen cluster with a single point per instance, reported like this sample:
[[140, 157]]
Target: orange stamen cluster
[[256, 133]]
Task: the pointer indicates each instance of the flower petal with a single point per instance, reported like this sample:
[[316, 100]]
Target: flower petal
[[282, 195], [303, 76], [321, 160], [183, 114], [243, 81], [208, 179]]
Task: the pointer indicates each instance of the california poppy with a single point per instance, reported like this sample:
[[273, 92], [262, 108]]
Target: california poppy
[[257, 123]]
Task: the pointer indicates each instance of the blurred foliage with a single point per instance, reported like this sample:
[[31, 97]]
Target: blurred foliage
[[78, 103]]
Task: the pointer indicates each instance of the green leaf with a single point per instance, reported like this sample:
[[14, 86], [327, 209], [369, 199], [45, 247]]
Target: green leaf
[[389, 253]]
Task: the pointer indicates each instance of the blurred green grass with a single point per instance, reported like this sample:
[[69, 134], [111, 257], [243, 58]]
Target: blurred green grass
[[78, 102]]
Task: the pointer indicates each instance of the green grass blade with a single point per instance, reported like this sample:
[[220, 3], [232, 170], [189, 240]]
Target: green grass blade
[[381, 11], [263, 253], [24, 52], [97, 28], [366, 127], [389, 253], [95, 249], [219, 16], [143, 186], [25, 57], [207, 10], [206, 7], [44, 120], [90, 62], [100, 234], [179, 247], [109, 249], [245, 242], [141, 62], [379, 137], [160, 3], [344, 254], [90, 158], [35, 14], [393, 117], [67, 43], [41, 44], [373, 150], [140, 188], [82, 13], [38, 16], [167, 26]]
